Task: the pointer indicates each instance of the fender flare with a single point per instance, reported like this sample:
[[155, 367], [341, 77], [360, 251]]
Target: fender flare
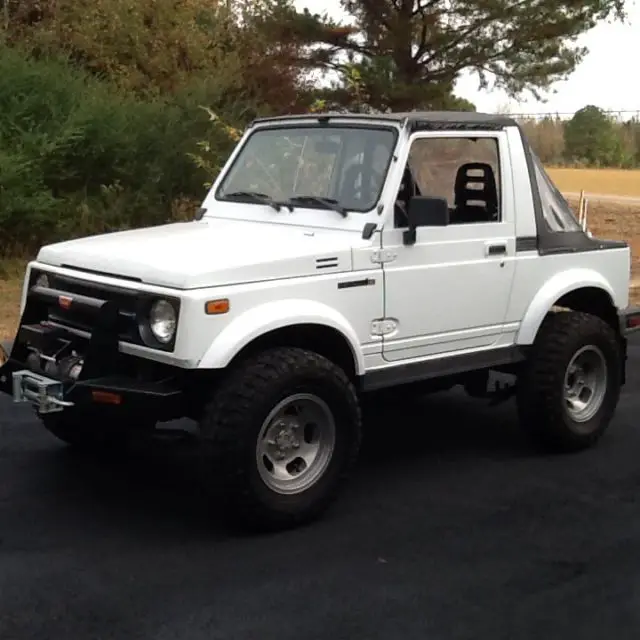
[[558, 286], [274, 315]]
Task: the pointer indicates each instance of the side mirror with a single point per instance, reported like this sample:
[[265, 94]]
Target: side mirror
[[425, 211]]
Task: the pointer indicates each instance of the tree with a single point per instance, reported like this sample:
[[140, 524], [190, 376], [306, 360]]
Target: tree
[[164, 46], [546, 136], [271, 75], [631, 134], [411, 52], [591, 137]]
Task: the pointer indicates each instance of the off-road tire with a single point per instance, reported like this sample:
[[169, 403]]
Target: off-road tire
[[540, 388], [231, 424]]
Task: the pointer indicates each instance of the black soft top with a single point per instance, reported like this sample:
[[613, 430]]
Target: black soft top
[[547, 239], [414, 119]]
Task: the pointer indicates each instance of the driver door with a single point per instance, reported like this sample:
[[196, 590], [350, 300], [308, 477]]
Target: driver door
[[449, 292]]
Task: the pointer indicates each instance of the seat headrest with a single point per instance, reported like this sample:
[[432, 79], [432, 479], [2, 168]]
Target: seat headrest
[[487, 192]]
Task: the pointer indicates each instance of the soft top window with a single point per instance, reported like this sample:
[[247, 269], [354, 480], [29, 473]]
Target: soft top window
[[555, 209]]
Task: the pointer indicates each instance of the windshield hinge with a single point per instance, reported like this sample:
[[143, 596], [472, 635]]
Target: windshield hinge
[[381, 256]]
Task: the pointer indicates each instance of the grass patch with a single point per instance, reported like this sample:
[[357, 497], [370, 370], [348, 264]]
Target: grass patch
[[11, 275], [614, 221], [615, 182]]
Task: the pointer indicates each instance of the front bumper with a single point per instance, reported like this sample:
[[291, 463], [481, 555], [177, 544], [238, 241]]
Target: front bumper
[[54, 368]]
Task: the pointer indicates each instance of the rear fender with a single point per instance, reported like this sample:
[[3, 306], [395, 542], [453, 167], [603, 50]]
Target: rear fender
[[551, 292]]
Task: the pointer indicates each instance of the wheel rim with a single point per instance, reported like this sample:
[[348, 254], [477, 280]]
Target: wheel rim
[[585, 383], [296, 443]]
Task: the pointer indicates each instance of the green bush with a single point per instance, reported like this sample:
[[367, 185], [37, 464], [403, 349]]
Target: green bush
[[78, 157]]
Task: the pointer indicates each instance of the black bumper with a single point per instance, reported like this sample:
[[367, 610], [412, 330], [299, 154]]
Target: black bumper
[[629, 321], [106, 377], [158, 399]]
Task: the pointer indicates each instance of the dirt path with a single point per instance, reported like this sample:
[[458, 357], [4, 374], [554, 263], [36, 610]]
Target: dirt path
[[606, 197]]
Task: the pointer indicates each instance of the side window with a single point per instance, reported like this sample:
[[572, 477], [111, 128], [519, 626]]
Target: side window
[[555, 209], [463, 170]]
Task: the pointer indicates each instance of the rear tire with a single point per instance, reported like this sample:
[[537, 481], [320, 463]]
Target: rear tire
[[279, 438], [570, 388]]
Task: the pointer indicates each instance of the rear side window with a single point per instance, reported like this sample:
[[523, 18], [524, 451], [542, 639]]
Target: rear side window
[[556, 210]]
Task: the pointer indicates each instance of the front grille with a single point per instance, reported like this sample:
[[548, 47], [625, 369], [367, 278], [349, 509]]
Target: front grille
[[134, 307], [130, 306]]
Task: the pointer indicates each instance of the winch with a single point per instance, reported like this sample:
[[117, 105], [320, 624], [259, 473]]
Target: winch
[[66, 369]]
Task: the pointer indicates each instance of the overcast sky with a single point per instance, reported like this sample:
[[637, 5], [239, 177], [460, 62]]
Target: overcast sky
[[601, 79]]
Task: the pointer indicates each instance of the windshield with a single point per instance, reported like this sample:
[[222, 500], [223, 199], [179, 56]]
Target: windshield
[[344, 165]]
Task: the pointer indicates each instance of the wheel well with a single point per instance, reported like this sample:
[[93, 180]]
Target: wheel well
[[590, 300], [324, 340]]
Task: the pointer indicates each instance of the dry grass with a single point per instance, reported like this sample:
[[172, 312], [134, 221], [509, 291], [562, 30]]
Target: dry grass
[[11, 274], [616, 182], [615, 221], [606, 220]]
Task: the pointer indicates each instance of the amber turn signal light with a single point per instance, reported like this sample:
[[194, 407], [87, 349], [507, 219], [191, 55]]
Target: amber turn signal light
[[104, 397], [216, 307]]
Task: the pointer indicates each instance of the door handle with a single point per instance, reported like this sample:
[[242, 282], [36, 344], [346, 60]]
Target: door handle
[[496, 249]]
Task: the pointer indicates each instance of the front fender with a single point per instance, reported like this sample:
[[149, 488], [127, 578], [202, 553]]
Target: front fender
[[276, 315], [561, 284]]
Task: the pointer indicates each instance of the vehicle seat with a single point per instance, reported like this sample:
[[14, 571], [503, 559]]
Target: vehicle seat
[[475, 203]]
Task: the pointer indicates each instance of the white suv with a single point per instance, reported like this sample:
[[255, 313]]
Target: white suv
[[337, 256]]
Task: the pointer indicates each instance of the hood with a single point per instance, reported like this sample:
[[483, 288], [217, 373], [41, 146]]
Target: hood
[[207, 253]]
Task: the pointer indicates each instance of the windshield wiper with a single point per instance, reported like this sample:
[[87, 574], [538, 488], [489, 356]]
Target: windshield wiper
[[328, 203], [263, 198]]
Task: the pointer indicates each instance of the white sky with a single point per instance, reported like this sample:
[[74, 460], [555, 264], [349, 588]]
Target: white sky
[[602, 78]]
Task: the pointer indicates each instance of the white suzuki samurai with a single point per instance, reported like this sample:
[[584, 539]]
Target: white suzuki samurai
[[336, 257]]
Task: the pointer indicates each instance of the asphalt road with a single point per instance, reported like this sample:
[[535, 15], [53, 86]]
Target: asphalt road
[[452, 528]]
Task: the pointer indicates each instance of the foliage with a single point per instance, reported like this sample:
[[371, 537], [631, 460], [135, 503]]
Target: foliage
[[76, 157], [165, 46], [208, 158], [116, 114], [547, 138], [591, 138], [411, 52]]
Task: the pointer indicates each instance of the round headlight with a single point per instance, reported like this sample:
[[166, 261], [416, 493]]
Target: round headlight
[[42, 280], [162, 321]]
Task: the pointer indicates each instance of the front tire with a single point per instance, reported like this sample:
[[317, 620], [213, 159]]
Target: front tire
[[570, 388], [279, 438]]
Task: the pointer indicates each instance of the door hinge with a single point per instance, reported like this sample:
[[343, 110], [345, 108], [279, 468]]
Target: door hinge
[[381, 256], [383, 326]]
